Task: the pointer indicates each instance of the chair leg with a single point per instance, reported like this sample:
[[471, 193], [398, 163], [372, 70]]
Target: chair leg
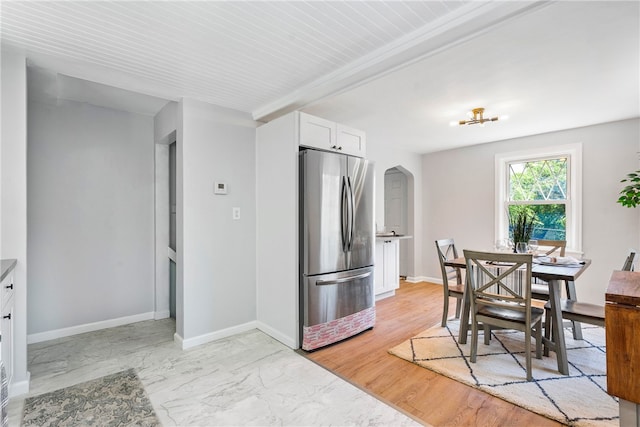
[[458, 307], [547, 329], [487, 334], [539, 339], [527, 353], [445, 310]]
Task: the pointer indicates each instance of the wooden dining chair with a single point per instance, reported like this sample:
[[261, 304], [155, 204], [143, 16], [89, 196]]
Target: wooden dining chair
[[582, 312], [500, 297], [628, 262], [540, 289], [446, 250]]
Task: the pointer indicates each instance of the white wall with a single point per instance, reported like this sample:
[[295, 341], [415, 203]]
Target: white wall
[[459, 202], [13, 190], [90, 218], [277, 279], [386, 156], [216, 254]]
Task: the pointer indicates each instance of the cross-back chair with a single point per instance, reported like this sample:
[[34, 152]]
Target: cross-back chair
[[501, 297], [628, 262], [446, 250], [540, 289]]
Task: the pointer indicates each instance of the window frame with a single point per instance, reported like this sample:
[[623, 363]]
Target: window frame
[[573, 152]]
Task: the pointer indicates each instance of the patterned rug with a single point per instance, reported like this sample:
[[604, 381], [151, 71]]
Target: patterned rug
[[579, 399], [114, 400]]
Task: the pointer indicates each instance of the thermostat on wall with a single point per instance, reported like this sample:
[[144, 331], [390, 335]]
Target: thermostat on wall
[[220, 188]]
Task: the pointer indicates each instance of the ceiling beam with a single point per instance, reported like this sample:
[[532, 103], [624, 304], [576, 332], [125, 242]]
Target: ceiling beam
[[457, 27]]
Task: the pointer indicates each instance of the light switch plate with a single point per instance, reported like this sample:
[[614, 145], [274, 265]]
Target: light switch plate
[[236, 213]]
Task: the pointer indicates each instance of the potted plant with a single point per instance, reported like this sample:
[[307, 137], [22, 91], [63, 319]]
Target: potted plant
[[630, 195], [522, 221]]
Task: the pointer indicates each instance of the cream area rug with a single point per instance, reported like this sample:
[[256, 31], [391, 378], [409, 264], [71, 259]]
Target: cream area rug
[[579, 399], [114, 400]]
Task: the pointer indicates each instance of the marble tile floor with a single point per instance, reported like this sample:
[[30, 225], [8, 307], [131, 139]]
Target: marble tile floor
[[247, 379]]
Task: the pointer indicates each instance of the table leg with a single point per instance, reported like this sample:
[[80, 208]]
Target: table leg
[[558, 333], [464, 319], [572, 295]]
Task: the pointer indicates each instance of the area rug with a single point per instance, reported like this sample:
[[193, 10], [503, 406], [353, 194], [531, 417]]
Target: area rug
[[114, 400], [579, 399]]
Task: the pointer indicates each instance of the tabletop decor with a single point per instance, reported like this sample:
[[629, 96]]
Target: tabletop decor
[[118, 399], [577, 399], [522, 221]]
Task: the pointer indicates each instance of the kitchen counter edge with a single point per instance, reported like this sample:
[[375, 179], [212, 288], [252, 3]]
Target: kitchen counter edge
[[393, 237], [6, 266]]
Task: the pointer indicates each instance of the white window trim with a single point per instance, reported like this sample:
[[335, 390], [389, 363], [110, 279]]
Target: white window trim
[[574, 203]]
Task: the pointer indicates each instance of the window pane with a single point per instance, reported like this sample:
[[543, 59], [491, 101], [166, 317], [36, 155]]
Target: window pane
[[552, 222], [538, 180]]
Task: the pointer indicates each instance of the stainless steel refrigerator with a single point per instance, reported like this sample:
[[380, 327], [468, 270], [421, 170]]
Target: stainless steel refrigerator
[[336, 247]]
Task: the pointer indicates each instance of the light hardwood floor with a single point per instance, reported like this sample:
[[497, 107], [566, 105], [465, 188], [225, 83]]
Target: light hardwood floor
[[428, 397]]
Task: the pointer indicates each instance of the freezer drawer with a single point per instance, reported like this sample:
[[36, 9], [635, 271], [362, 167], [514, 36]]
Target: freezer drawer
[[333, 296]]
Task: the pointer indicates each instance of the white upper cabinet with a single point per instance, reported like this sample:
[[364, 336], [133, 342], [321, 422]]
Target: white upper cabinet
[[351, 141], [327, 135]]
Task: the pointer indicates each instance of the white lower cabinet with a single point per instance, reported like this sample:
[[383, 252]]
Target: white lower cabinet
[[6, 326], [387, 274]]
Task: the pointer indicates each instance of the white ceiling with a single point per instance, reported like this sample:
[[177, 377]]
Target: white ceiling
[[402, 71]]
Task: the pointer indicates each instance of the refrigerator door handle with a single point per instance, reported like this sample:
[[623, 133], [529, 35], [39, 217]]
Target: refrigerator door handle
[[342, 280], [344, 218], [352, 214]]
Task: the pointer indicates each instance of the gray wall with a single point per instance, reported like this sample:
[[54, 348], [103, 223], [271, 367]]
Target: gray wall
[[459, 199], [216, 254], [90, 217]]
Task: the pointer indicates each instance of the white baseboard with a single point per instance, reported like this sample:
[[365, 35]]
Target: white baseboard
[[213, 336], [158, 315], [277, 335], [416, 279], [21, 387], [436, 280], [88, 327]]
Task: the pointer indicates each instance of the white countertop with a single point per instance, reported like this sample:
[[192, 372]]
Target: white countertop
[[392, 237]]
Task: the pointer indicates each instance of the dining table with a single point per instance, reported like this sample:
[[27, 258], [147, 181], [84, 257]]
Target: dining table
[[555, 275]]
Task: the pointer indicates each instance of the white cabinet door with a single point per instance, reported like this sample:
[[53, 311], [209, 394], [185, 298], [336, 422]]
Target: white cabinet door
[[7, 340], [387, 276], [317, 132], [391, 262], [351, 141], [6, 327], [327, 135]]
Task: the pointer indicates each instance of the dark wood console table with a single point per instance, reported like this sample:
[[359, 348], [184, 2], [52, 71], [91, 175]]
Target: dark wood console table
[[622, 323]]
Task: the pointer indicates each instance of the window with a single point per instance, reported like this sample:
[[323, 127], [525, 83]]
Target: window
[[541, 185], [548, 181]]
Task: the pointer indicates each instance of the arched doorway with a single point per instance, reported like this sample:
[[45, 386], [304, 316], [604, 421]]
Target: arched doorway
[[398, 213]]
